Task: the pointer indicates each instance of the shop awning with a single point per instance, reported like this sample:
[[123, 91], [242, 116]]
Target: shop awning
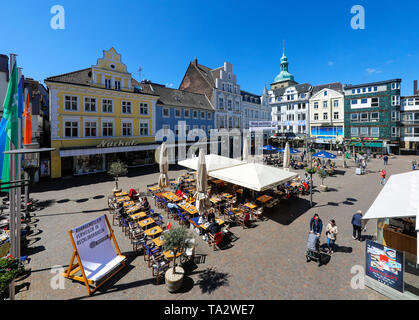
[[254, 176], [92, 151], [367, 144], [398, 198]]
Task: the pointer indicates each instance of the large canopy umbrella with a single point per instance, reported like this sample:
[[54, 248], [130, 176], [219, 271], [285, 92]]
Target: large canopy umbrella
[[269, 148], [291, 150], [164, 167], [245, 149], [287, 156], [324, 154], [202, 201]]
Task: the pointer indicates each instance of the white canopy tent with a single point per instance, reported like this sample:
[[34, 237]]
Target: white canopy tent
[[213, 162], [399, 198], [254, 176]]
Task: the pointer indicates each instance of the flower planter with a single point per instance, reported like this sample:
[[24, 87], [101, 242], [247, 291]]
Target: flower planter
[[174, 280], [323, 188]]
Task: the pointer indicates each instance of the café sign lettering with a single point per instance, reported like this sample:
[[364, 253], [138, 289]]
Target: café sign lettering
[[114, 143]]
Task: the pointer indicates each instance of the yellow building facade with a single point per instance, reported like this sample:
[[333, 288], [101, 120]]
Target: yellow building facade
[[98, 115]]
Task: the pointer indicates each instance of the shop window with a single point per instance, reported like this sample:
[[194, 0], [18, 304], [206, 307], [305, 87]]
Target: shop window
[[89, 104], [71, 103], [71, 129], [89, 164], [107, 129], [90, 129]]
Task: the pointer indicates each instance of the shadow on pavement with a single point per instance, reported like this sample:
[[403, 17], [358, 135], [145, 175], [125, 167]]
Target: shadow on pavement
[[211, 279], [288, 211]]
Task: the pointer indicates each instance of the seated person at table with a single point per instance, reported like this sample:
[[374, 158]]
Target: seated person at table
[[144, 204], [210, 216], [214, 227]]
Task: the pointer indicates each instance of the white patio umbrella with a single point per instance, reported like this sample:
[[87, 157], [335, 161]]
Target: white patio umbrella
[[201, 184], [164, 167], [245, 149], [287, 156]]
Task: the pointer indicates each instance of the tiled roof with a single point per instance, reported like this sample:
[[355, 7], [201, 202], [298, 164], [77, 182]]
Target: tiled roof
[[177, 98], [337, 86], [303, 87], [247, 95]]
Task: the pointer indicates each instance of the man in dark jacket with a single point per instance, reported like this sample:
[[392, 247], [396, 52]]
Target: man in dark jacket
[[316, 225], [357, 225]]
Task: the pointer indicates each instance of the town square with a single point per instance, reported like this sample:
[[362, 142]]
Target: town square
[[140, 166]]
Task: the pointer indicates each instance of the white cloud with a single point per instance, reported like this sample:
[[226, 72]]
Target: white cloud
[[330, 63], [372, 71], [169, 85]]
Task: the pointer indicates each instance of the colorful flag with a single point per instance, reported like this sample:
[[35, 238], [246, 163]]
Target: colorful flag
[[27, 134], [9, 135]]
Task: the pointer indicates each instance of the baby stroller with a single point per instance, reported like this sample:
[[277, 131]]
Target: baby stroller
[[313, 249]]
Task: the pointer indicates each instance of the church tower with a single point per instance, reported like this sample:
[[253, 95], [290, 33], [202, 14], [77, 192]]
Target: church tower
[[284, 78]]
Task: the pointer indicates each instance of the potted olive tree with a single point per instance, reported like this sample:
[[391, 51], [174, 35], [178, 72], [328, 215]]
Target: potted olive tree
[[323, 175], [117, 169], [175, 241]]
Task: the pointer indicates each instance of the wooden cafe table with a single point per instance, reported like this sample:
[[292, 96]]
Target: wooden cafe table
[[138, 215], [171, 196], [122, 199], [146, 222], [264, 198], [153, 231], [133, 209], [250, 205], [227, 195], [154, 189], [189, 208], [158, 241], [128, 203], [219, 221], [121, 194], [169, 255]]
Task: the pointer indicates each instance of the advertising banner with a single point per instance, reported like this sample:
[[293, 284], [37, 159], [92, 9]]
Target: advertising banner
[[385, 265], [263, 125]]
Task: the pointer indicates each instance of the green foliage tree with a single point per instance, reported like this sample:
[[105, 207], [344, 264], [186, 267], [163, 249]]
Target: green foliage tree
[[322, 174], [176, 240], [9, 268], [117, 169]]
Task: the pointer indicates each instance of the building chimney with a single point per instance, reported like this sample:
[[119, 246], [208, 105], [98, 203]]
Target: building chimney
[[195, 61], [415, 87]]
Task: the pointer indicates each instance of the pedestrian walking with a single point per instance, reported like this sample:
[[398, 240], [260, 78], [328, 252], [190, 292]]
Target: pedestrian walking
[[331, 233], [413, 165], [385, 158], [357, 225], [316, 225], [364, 165], [383, 174]]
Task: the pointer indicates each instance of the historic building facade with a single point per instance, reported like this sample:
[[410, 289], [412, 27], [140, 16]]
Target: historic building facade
[[409, 115], [327, 113], [98, 115], [290, 108], [221, 87], [255, 108], [372, 116]]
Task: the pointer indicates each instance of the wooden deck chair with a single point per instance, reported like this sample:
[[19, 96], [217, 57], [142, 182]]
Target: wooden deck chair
[[97, 260]]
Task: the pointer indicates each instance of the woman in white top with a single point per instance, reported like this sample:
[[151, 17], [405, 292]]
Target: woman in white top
[[331, 232]]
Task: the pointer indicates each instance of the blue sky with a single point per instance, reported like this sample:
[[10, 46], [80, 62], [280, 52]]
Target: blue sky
[[163, 36]]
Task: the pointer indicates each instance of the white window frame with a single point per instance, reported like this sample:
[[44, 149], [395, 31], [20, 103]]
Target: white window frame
[[103, 104], [362, 134], [209, 116], [86, 120], [316, 116], [203, 113], [335, 103], [90, 103], [71, 120], [336, 115], [193, 114], [374, 119], [71, 102], [395, 133], [357, 117], [353, 130], [186, 113], [126, 105], [316, 105], [148, 128], [168, 112], [179, 110], [144, 106], [364, 120], [375, 135], [131, 123], [102, 127]]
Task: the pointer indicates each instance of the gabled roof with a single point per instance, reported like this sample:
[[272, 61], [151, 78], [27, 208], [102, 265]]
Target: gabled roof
[[337, 86], [207, 73], [82, 77], [303, 87], [177, 98]]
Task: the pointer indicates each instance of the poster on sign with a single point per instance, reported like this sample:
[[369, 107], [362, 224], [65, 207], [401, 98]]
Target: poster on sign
[[98, 259], [385, 265]]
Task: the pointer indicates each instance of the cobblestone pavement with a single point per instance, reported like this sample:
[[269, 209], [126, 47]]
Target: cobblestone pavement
[[265, 262]]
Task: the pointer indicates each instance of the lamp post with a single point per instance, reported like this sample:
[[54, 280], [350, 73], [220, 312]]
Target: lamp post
[[309, 145]]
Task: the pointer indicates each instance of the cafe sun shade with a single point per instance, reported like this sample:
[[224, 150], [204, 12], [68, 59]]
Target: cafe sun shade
[[212, 161], [254, 176], [324, 154], [398, 199]]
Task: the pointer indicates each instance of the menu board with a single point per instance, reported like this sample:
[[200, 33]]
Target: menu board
[[385, 265]]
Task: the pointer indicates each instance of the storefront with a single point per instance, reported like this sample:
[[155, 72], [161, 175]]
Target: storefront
[[96, 158], [396, 212], [368, 145]]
